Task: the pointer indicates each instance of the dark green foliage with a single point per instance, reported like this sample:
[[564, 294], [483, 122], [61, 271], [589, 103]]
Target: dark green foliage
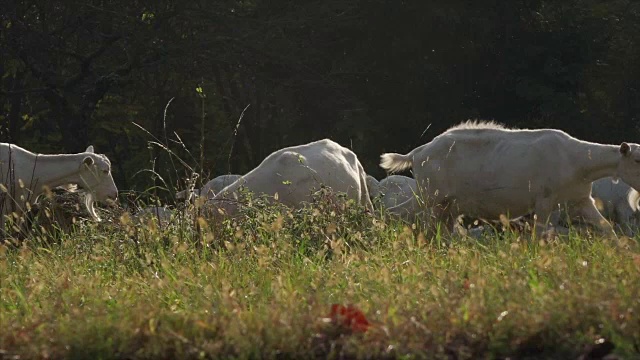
[[372, 75]]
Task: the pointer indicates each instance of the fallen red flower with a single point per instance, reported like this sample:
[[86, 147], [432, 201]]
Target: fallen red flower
[[350, 317]]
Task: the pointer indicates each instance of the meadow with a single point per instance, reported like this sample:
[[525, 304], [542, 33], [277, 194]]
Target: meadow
[[263, 286]]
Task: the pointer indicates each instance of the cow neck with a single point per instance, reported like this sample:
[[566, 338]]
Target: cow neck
[[597, 160]]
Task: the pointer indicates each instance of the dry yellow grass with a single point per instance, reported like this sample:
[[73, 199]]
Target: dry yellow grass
[[262, 287]]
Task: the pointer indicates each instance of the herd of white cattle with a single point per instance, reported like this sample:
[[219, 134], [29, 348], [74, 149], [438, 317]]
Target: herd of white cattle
[[477, 169]]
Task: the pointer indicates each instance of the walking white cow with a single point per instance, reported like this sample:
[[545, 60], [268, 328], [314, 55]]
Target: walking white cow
[[295, 173], [482, 169], [618, 202], [25, 175]]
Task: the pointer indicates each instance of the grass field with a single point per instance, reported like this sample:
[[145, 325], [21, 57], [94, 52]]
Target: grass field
[[263, 288]]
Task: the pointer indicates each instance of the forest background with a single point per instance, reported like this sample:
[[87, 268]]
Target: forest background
[[373, 75]]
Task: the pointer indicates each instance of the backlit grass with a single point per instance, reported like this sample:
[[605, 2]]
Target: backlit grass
[[263, 286]]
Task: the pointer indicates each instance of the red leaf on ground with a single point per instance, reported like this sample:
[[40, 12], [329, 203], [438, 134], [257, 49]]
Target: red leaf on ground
[[350, 317]]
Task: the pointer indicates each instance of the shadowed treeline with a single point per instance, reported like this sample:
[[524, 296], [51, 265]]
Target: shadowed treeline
[[374, 76]]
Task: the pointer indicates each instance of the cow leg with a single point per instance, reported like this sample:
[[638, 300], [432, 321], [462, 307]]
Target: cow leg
[[444, 214], [546, 217], [586, 208], [634, 224], [624, 218]]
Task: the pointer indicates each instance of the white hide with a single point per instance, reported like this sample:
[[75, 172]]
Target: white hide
[[212, 187], [295, 173], [482, 169], [396, 189], [25, 175], [618, 202], [373, 186]]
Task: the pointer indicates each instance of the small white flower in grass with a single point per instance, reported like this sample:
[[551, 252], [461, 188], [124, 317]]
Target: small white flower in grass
[[584, 263], [502, 315]]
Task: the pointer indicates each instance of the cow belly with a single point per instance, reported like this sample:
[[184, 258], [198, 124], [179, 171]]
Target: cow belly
[[492, 204]]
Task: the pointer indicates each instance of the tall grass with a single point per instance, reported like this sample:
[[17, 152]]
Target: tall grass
[[262, 286]]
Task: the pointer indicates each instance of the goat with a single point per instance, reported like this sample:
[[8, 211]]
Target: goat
[[618, 202], [291, 175], [25, 175], [396, 189], [483, 169], [211, 188], [373, 186]]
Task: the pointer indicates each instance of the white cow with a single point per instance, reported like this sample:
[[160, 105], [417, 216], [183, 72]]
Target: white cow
[[484, 170], [295, 173], [373, 186], [618, 202], [212, 187], [25, 175], [396, 189]]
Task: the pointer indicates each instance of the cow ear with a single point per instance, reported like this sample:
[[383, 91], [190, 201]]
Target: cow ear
[[88, 161], [89, 149], [625, 149]]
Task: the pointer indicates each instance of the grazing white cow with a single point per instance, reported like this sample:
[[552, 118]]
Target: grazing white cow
[[295, 173], [618, 202], [25, 175], [482, 169], [396, 189], [212, 187]]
